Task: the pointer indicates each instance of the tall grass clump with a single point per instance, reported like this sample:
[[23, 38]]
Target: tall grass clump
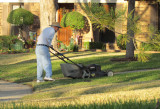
[[130, 104]]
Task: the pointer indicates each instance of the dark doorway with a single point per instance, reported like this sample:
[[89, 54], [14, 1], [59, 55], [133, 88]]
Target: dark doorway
[[106, 35]]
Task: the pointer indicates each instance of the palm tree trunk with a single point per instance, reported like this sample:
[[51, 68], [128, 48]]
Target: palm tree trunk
[[130, 44]]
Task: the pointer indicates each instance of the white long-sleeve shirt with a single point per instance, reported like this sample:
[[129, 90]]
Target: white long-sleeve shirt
[[46, 36]]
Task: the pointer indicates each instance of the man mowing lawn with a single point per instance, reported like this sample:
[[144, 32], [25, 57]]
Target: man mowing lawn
[[42, 52]]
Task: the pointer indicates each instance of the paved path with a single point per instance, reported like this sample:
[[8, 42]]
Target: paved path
[[13, 91], [137, 71]]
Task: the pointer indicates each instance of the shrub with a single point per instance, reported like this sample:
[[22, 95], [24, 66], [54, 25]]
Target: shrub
[[73, 19], [5, 42], [70, 47], [10, 43], [20, 16], [121, 41], [17, 46], [71, 44], [94, 45], [75, 48]]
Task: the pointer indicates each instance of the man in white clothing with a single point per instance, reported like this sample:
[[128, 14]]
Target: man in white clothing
[[42, 52]]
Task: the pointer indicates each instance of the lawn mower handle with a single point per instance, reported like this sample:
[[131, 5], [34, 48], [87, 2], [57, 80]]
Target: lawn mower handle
[[63, 57]]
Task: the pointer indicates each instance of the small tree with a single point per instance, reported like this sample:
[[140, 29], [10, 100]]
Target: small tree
[[100, 18], [75, 20], [21, 17]]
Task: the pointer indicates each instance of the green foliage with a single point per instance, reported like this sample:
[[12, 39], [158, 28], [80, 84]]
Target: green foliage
[[70, 47], [155, 41], [143, 57], [73, 19], [62, 46], [18, 45], [71, 44], [121, 41], [102, 19], [20, 16], [4, 42], [94, 45], [150, 47], [10, 43], [133, 26], [86, 45]]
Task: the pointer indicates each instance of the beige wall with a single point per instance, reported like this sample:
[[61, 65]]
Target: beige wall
[[4, 25], [120, 26], [1, 8], [147, 11], [34, 8], [148, 16]]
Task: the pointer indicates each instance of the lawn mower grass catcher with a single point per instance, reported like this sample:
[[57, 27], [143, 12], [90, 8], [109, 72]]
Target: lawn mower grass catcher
[[74, 70]]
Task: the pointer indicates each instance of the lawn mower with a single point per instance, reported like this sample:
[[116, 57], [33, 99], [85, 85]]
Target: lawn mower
[[74, 70]]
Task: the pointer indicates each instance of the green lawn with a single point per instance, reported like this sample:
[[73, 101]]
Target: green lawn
[[118, 92]]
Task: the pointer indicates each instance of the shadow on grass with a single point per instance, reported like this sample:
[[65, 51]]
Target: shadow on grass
[[19, 73], [108, 84], [59, 82], [27, 61], [121, 87], [103, 61], [25, 79], [25, 71]]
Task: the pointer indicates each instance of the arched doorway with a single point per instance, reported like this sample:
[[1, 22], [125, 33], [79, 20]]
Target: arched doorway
[[107, 36]]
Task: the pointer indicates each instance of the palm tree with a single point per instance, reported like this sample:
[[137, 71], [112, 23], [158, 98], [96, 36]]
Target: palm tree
[[130, 44]]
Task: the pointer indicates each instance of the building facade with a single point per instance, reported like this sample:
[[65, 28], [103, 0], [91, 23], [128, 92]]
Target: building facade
[[149, 12]]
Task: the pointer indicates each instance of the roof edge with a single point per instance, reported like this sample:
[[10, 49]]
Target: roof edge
[[65, 1]]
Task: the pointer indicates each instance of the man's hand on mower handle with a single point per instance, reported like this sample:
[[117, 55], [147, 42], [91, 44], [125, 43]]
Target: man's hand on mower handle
[[57, 53], [51, 46], [60, 54]]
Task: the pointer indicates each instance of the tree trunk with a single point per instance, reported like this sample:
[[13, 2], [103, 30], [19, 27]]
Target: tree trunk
[[47, 13], [130, 33], [48, 10]]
